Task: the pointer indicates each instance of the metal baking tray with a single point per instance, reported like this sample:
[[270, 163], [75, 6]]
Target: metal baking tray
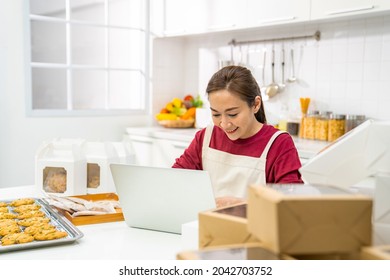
[[57, 220]]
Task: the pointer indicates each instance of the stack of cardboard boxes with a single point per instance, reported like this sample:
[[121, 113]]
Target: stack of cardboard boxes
[[290, 222]]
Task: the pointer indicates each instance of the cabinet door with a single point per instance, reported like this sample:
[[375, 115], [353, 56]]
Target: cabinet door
[[226, 14], [185, 17], [264, 12], [143, 149], [157, 18], [335, 8], [166, 151], [174, 17]]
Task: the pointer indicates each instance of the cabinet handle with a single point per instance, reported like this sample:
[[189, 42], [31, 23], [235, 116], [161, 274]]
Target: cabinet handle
[[351, 10], [277, 20], [174, 32], [225, 26]]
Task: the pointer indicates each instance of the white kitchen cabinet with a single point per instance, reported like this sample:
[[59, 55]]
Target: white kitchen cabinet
[[157, 18], [186, 17], [335, 8], [155, 146], [226, 14], [142, 147], [263, 12]]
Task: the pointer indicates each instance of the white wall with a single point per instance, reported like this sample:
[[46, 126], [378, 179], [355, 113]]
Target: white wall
[[20, 136], [345, 72]]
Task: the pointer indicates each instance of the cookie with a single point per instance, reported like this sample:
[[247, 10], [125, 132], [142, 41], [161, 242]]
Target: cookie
[[16, 238], [7, 222], [3, 204], [30, 214], [21, 201], [50, 235], [39, 228], [8, 229], [34, 220], [6, 216], [25, 208]]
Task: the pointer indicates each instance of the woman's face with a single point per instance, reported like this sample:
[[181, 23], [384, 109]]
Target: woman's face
[[233, 115]]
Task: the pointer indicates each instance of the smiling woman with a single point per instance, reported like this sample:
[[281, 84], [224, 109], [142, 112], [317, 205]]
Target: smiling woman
[[240, 148]]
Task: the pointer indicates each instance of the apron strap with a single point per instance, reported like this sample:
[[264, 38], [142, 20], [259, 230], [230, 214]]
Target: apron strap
[[207, 136], [269, 144]]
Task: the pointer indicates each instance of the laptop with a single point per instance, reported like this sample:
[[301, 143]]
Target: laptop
[[161, 199]]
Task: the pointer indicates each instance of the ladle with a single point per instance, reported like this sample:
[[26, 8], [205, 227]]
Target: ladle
[[292, 78], [272, 88]]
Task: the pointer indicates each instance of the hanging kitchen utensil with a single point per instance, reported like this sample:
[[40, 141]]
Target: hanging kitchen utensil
[[241, 60], [231, 55], [282, 85], [272, 88], [263, 88], [292, 78]]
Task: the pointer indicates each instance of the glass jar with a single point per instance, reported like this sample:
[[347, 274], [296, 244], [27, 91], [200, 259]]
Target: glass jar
[[309, 124], [352, 121], [322, 126], [293, 127], [336, 127]]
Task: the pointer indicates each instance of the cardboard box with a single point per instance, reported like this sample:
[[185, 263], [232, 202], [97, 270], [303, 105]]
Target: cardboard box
[[224, 226], [99, 156], [382, 198], [125, 152], [306, 219], [381, 234], [356, 255], [248, 251], [376, 253]]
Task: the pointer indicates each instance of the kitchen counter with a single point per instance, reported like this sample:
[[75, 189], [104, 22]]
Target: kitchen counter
[[112, 241], [306, 148]]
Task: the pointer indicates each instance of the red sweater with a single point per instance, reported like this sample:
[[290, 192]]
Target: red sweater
[[282, 161]]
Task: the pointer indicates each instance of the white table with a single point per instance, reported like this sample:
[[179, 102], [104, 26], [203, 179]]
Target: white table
[[101, 241]]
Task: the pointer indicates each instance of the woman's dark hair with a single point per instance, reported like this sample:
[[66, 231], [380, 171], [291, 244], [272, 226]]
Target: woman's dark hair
[[238, 80]]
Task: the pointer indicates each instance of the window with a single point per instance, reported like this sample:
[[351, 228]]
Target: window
[[88, 57]]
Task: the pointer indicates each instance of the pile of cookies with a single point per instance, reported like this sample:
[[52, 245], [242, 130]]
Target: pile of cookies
[[22, 221]]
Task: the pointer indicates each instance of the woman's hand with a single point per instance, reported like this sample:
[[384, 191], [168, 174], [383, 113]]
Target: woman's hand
[[227, 201]]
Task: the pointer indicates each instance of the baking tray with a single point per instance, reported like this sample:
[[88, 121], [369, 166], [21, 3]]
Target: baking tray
[[56, 219], [95, 219]]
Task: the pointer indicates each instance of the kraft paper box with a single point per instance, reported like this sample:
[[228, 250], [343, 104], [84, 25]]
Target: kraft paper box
[[248, 251], [376, 253], [305, 219], [224, 226]]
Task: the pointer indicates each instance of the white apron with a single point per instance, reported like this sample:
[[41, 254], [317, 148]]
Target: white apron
[[232, 174]]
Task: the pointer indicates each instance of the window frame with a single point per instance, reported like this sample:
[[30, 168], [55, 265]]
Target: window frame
[[70, 112]]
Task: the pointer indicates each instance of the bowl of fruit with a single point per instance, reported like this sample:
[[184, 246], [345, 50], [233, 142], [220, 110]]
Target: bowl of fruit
[[179, 113]]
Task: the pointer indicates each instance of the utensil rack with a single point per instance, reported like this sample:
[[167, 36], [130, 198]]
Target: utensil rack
[[316, 36]]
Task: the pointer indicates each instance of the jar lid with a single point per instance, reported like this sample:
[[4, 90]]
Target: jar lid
[[325, 114], [355, 117], [313, 113], [337, 116]]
